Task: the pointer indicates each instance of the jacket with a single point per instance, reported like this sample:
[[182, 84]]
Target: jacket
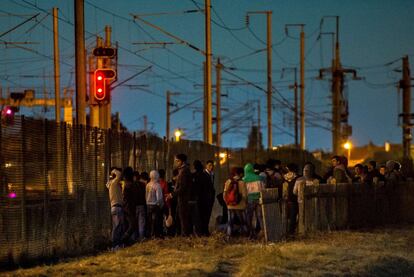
[[115, 189], [153, 191], [183, 185]]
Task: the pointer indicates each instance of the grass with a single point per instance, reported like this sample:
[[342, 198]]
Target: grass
[[382, 252]]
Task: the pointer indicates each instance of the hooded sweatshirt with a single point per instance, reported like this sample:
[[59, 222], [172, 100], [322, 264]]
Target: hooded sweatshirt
[[307, 179], [254, 183], [340, 174], [115, 189], [153, 190]]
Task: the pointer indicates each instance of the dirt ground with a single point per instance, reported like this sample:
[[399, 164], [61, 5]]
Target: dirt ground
[[380, 252]]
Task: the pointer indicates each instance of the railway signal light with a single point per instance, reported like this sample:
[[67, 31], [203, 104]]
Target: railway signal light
[[106, 52], [102, 78], [7, 114]]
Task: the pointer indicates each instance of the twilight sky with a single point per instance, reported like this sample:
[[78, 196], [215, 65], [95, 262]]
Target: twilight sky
[[374, 35]]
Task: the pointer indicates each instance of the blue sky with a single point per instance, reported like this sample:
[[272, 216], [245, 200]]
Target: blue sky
[[374, 35]]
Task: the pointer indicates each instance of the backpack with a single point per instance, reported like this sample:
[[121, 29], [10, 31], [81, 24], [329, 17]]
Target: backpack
[[232, 196]]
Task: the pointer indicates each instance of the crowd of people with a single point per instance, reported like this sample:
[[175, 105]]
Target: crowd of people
[[147, 206]]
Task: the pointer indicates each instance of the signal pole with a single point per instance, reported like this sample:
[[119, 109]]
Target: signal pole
[[80, 62], [269, 74], [93, 106], [56, 64], [341, 130]]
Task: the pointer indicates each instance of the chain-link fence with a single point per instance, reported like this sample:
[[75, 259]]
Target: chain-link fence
[[53, 199]]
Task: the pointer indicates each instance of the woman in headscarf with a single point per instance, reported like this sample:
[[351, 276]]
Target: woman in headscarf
[[255, 185]]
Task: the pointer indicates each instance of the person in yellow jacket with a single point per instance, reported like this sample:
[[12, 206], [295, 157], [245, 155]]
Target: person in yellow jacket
[[236, 200]]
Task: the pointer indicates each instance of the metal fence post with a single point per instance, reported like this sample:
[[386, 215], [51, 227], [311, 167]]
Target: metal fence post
[[95, 231], [65, 184], [46, 189], [23, 211]]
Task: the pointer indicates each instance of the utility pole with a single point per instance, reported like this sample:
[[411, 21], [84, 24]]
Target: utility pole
[[295, 87], [341, 130], [56, 64], [207, 110], [269, 73], [295, 107], [302, 87], [269, 80], [80, 63], [167, 128], [405, 84], [219, 66], [337, 86], [205, 103], [208, 55]]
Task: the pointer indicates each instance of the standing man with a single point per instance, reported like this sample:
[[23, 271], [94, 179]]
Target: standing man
[[115, 197], [182, 192], [207, 198], [131, 194]]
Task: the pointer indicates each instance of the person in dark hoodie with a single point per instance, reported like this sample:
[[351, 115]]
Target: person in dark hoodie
[[200, 182], [292, 200], [141, 205], [175, 228], [182, 192], [207, 199], [130, 196]]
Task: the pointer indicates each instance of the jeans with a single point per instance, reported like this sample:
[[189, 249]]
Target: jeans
[[195, 224], [117, 225], [141, 214], [254, 209], [293, 212], [154, 220], [241, 215]]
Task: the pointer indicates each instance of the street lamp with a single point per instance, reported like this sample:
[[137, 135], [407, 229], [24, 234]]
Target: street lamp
[[223, 157], [178, 133], [348, 146]]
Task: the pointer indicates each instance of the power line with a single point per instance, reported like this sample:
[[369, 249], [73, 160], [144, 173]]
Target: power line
[[123, 48], [227, 29]]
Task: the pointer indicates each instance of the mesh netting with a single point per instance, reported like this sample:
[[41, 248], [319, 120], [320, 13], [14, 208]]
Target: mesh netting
[[53, 199]]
